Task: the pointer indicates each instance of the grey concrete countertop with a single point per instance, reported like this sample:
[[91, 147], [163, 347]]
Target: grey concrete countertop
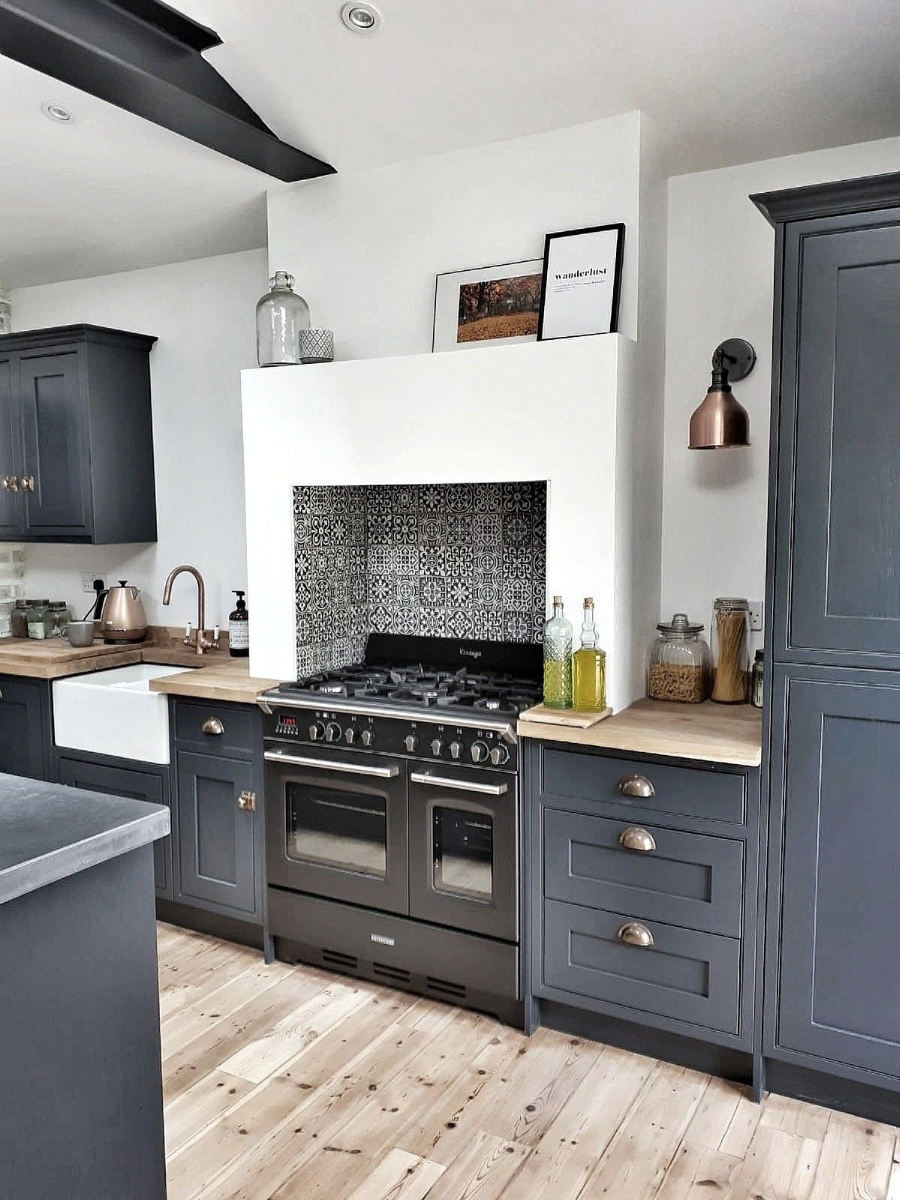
[[48, 832]]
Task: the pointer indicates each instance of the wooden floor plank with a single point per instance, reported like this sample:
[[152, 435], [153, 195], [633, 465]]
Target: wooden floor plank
[[294, 1082]]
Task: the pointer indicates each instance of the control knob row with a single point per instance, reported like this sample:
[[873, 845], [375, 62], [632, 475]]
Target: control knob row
[[478, 751], [331, 732]]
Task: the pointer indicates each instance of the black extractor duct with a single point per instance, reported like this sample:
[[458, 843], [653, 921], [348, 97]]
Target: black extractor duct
[[145, 57]]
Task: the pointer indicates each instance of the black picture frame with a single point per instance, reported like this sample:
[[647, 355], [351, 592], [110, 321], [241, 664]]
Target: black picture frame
[[613, 324]]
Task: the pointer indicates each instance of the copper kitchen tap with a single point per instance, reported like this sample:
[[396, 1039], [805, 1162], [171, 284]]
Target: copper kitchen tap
[[199, 639]]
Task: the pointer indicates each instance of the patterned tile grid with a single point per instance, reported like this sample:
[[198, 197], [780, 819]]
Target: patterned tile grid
[[465, 560]]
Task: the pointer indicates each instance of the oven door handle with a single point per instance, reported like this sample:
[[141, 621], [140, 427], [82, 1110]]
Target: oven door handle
[[460, 785], [299, 760]]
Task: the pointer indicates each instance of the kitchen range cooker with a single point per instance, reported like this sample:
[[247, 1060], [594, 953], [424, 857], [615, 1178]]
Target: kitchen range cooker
[[393, 817]]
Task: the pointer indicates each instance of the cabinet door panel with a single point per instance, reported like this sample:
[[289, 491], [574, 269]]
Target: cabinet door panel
[[10, 449], [838, 571], [135, 784], [56, 452], [22, 729], [836, 762], [218, 839]]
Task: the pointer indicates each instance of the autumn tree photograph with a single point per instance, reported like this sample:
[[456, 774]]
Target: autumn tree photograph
[[498, 308]]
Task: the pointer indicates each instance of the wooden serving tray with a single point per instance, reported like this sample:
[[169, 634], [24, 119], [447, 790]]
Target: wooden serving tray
[[564, 716]]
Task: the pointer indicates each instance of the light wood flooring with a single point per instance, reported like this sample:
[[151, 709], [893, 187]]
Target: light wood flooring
[[287, 1082]]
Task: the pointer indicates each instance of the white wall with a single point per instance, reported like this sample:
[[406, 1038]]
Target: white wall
[[203, 314], [534, 411], [720, 281], [365, 246]]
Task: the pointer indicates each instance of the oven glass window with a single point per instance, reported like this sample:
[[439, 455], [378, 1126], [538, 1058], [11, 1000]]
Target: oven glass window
[[337, 829], [463, 852]]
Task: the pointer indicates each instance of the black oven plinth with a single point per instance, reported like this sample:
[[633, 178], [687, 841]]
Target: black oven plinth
[[459, 968]]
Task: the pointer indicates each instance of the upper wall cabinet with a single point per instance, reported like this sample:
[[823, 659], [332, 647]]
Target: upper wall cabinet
[[76, 437], [837, 444]]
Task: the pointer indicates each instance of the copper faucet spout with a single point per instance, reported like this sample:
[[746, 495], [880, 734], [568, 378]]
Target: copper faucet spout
[[202, 642]]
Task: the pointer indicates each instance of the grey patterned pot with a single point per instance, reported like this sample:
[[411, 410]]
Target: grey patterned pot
[[316, 345]]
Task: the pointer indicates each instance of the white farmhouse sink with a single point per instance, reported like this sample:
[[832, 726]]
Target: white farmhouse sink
[[114, 712]]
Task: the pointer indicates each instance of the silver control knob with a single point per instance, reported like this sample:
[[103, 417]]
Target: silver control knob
[[456, 749], [367, 737], [410, 742], [349, 735], [437, 747], [316, 731], [499, 756], [332, 732], [479, 752]]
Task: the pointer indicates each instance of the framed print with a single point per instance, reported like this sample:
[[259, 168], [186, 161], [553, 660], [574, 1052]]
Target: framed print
[[487, 304], [581, 281]]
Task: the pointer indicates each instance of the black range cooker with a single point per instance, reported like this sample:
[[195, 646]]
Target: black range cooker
[[393, 817]]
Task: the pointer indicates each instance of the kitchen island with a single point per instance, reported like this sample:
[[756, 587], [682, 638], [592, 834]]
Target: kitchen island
[[80, 1078]]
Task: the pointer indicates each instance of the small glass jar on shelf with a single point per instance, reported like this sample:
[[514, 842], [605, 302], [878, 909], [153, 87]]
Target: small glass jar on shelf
[[679, 662], [281, 316]]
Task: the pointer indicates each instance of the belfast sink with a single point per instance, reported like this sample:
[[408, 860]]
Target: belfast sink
[[114, 712]]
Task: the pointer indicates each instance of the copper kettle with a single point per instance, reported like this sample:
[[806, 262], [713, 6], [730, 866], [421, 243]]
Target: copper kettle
[[123, 618]]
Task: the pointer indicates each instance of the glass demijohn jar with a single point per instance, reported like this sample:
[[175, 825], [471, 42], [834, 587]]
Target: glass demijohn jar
[[730, 649], [589, 667], [558, 659], [679, 662], [280, 316]]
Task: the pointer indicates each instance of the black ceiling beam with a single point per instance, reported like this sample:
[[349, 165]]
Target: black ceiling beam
[[145, 57]]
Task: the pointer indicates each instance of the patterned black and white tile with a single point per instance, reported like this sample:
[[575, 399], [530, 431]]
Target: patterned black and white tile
[[463, 560]]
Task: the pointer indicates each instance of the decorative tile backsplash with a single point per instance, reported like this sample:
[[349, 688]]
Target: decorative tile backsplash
[[463, 560]]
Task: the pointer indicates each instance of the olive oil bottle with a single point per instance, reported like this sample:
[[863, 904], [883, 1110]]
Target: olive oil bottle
[[589, 667], [558, 659]]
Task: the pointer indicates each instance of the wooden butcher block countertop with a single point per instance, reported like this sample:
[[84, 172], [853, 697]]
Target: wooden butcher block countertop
[[721, 733], [220, 678], [54, 658]]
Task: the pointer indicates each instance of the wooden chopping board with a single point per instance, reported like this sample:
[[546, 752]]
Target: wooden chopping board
[[564, 716], [56, 650]]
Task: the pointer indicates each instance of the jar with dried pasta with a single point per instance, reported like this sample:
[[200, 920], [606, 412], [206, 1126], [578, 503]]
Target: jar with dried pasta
[[679, 662], [730, 648]]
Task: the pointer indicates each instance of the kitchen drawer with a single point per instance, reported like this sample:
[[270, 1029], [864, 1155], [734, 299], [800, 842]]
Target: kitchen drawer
[[684, 975], [238, 723], [688, 791], [687, 878]]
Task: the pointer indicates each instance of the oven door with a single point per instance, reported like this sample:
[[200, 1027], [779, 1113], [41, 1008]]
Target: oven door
[[464, 850], [336, 826]]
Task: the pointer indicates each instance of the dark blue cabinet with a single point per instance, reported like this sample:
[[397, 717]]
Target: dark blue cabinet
[[139, 781], [24, 727], [834, 771], [76, 437]]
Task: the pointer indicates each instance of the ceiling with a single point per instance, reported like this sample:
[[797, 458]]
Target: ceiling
[[724, 83]]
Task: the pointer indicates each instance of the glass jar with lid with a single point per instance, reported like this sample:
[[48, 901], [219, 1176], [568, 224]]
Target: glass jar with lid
[[18, 618], [40, 623], [679, 662], [730, 648], [59, 618], [281, 315]]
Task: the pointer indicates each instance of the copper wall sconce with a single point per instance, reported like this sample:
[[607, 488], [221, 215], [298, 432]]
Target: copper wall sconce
[[721, 422]]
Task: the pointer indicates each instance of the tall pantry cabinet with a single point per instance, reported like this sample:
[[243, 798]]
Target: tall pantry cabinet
[[832, 1003]]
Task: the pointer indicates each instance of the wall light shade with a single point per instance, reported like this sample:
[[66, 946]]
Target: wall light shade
[[721, 422]]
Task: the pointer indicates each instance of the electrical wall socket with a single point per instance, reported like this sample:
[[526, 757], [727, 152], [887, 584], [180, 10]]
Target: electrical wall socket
[[87, 581], [756, 616]]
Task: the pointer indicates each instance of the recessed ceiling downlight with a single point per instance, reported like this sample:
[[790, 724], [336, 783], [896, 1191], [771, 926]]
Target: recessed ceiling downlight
[[361, 18], [56, 112]]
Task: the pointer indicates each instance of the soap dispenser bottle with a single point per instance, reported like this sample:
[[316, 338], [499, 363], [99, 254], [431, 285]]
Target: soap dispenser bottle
[[239, 629]]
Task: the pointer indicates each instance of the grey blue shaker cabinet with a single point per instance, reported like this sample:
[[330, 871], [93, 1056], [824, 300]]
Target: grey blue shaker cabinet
[[76, 437], [25, 737], [832, 985]]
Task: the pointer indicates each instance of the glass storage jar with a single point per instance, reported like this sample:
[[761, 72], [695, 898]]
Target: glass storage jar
[[59, 618], [730, 648], [679, 662], [18, 618], [280, 316], [40, 623]]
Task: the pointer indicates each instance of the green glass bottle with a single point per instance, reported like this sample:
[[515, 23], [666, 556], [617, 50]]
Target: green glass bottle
[[558, 659]]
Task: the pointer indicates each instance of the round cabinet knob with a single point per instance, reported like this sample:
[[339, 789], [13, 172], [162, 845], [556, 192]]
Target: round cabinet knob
[[456, 749], [410, 742], [479, 752], [367, 737], [316, 731], [499, 756], [349, 735], [437, 747], [332, 732]]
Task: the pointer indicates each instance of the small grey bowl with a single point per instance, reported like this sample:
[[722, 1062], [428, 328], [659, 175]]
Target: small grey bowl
[[80, 633]]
